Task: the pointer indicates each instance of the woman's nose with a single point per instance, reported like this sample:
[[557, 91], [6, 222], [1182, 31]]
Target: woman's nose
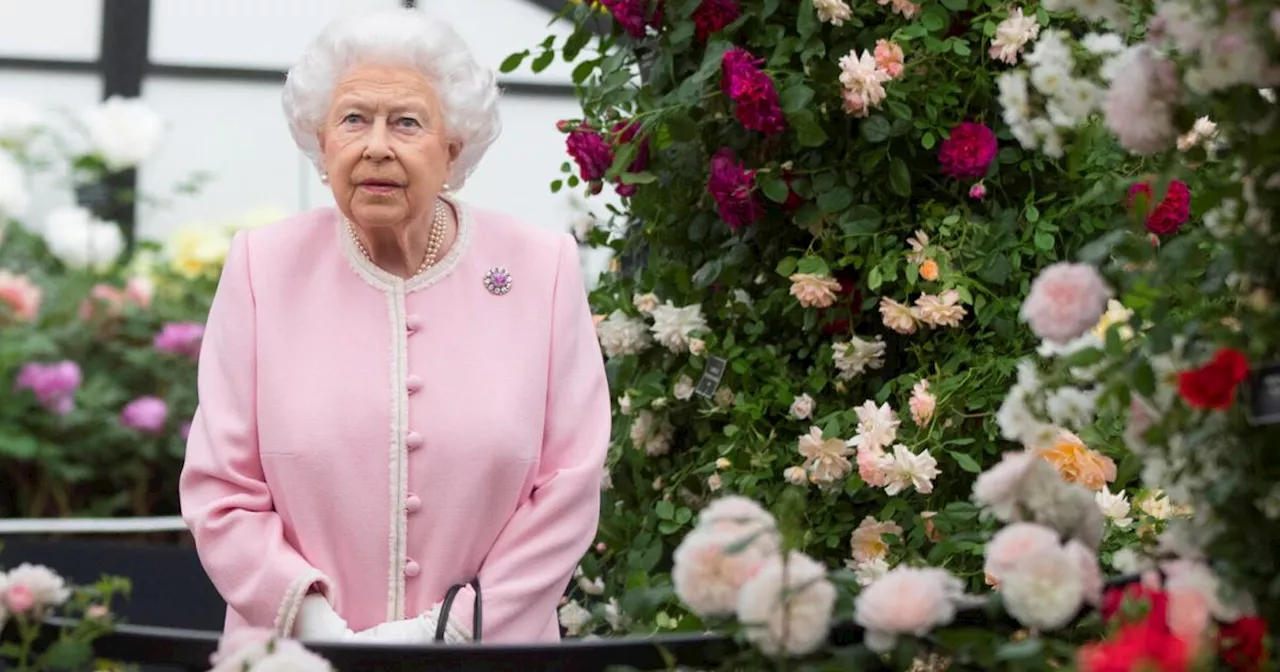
[[378, 146]]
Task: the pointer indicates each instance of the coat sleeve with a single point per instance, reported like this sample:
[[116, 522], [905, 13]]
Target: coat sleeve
[[533, 559], [225, 499]]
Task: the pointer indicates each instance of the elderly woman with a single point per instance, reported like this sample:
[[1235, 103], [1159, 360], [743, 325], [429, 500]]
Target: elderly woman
[[403, 395]]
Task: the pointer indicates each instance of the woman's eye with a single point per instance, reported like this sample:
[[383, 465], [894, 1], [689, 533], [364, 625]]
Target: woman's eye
[[408, 122], [352, 118]]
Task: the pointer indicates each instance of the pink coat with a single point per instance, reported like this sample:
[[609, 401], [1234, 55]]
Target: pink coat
[[383, 439]]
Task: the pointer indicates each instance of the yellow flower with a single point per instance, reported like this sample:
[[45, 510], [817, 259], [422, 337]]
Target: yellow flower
[[196, 250], [1116, 314], [1077, 464]]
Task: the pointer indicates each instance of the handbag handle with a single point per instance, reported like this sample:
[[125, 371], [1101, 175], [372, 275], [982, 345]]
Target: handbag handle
[[476, 617]]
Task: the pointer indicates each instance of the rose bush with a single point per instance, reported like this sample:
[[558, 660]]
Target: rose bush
[[829, 222]]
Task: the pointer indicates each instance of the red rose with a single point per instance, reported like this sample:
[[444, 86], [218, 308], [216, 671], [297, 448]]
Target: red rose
[[968, 151], [753, 93], [712, 16], [1171, 213], [848, 303], [1241, 644], [591, 152], [1214, 384], [1157, 602], [1137, 646]]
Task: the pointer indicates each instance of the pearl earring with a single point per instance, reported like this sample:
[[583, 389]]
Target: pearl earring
[[324, 178]]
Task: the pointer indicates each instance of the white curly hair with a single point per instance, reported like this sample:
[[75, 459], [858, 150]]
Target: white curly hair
[[468, 93]]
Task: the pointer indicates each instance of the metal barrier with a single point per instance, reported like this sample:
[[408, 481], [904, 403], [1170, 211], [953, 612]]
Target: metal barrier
[[190, 650]]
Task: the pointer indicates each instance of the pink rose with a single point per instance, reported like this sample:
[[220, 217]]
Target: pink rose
[[54, 385], [19, 599], [978, 191], [1015, 542], [145, 415], [1066, 300], [906, 600], [889, 58], [20, 296], [180, 338]]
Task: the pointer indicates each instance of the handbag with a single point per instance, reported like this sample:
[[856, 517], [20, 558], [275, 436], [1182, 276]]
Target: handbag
[[476, 618]]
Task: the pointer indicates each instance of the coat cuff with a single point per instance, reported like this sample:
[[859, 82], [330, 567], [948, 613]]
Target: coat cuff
[[287, 614]]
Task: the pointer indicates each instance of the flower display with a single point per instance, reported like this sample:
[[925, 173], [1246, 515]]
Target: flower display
[[54, 385]]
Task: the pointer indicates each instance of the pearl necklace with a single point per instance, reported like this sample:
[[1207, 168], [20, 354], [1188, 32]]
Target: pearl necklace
[[438, 225]]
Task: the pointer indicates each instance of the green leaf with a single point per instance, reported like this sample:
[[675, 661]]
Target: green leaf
[[861, 219], [664, 509], [682, 127], [510, 63], [835, 200], [1044, 241], [928, 140], [573, 46], [1144, 379], [68, 654], [967, 463], [956, 5], [683, 515], [795, 98], [997, 269], [19, 447], [808, 132], [899, 177], [875, 129], [543, 60], [934, 18], [960, 47], [807, 24], [639, 178], [1033, 213], [1027, 648], [707, 274], [874, 279], [814, 266], [786, 267], [668, 526], [775, 188], [1086, 357], [583, 70]]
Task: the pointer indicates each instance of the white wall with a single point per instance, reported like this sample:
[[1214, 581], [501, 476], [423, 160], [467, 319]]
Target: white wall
[[235, 131]]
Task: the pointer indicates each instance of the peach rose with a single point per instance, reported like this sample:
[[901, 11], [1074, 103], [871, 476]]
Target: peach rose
[[20, 295], [814, 291], [1078, 464]]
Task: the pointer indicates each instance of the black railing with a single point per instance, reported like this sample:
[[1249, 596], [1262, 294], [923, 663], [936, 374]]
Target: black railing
[[190, 650]]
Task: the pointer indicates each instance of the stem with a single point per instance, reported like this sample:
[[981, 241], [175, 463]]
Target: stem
[[141, 505]]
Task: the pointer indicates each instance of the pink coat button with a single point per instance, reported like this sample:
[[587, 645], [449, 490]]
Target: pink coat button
[[412, 323], [411, 569], [413, 441], [413, 504], [413, 383]]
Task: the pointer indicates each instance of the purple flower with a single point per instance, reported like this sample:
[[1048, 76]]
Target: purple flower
[[145, 414], [180, 338], [54, 385]]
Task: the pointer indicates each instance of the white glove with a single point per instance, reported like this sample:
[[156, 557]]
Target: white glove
[[318, 622], [417, 630], [420, 630]]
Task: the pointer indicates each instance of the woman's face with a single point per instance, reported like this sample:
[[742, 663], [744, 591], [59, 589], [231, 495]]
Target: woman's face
[[385, 146]]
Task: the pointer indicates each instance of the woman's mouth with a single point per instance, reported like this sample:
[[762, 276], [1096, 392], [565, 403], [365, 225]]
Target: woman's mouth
[[379, 186]]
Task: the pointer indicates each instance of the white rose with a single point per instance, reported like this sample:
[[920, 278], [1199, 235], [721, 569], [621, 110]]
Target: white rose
[[14, 197], [123, 132], [18, 119], [711, 565], [802, 407], [290, 656], [786, 607], [684, 388], [80, 241], [574, 618], [1045, 590]]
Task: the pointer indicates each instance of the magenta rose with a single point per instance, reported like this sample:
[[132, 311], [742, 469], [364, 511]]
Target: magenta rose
[[591, 152], [734, 189], [54, 385], [968, 152], [145, 414], [180, 338], [753, 93]]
